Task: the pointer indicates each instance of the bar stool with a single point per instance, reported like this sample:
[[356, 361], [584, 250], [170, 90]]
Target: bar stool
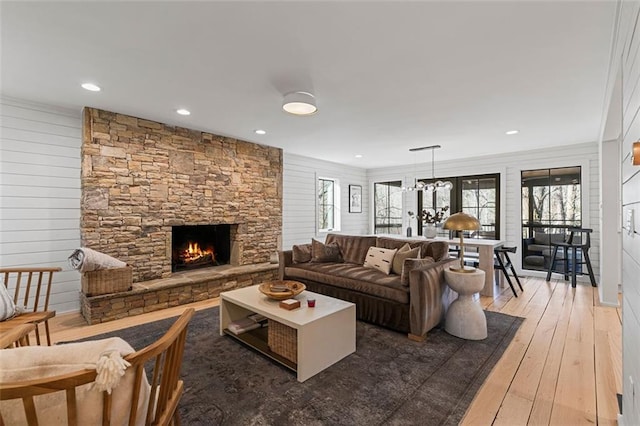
[[502, 262], [579, 241]]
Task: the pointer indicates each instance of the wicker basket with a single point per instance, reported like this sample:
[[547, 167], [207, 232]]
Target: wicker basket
[[283, 340], [105, 281]]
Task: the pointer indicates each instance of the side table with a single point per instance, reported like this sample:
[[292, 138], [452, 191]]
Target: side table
[[465, 317]]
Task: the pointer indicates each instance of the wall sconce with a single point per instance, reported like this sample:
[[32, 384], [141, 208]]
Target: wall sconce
[[635, 153]]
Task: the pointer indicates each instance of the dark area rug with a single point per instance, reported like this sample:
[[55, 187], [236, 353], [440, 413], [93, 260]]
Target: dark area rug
[[388, 380]]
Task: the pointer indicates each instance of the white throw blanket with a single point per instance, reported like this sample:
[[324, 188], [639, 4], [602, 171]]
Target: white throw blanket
[[31, 362], [85, 259]]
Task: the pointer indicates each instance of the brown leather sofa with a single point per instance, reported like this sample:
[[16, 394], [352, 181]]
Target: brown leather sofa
[[413, 302]]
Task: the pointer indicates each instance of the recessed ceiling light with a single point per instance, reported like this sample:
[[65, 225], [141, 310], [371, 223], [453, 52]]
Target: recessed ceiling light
[[512, 132], [299, 103], [90, 86], [183, 111], [260, 132], [358, 155]]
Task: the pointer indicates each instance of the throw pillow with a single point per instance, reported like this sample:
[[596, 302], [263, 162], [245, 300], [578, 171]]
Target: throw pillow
[[405, 252], [380, 259], [7, 307], [323, 253], [410, 265], [301, 253]]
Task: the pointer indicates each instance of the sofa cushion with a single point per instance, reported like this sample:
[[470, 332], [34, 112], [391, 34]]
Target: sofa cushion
[[438, 250], [353, 248], [542, 238], [380, 259], [352, 277], [321, 253], [405, 252], [301, 253], [411, 264]]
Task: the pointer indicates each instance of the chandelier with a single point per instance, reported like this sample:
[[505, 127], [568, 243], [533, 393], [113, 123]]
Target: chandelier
[[432, 186]]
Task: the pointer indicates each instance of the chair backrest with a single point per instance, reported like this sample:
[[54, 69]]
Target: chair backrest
[[164, 359], [503, 249], [580, 237], [31, 286]]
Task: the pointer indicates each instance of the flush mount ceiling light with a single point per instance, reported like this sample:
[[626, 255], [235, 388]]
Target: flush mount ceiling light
[[183, 111], [299, 103], [91, 87], [434, 185], [512, 132], [260, 132]]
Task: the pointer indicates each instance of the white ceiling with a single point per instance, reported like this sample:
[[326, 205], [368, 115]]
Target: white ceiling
[[388, 76]]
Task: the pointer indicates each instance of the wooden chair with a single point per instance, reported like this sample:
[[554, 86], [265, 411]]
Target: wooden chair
[[164, 359], [32, 290], [16, 335]]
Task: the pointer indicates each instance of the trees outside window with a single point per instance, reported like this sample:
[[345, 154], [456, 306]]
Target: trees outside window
[[387, 205], [326, 204]]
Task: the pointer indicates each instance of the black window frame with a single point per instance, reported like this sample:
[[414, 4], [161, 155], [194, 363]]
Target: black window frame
[[388, 226], [456, 203]]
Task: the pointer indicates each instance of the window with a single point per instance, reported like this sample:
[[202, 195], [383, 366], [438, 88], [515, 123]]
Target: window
[[477, 195], [551, 203], [327, 204], [479, 199], [387, 207]]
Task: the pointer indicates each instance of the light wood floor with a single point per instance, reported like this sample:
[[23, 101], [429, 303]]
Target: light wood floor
[[564, 366]]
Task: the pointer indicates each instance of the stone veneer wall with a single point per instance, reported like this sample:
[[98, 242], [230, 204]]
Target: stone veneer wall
[[140, 177]]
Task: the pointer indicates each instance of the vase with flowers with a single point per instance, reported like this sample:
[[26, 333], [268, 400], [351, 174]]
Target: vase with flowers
[[431, 218]]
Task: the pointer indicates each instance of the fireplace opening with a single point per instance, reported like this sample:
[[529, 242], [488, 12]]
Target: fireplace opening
[[199, 246]]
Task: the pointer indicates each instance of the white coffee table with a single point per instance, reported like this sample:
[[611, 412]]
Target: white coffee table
[[325, 333]]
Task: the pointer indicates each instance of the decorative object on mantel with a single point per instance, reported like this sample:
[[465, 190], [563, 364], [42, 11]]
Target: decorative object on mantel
[[355, 199], [431, 217], [462, 222], [281, 290], [432, 186]]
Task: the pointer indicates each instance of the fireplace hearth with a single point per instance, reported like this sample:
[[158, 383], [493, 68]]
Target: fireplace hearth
[[200, 246]]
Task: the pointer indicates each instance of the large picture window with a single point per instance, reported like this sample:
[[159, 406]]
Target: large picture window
[[387, 206], [551, 204], [477, 195]]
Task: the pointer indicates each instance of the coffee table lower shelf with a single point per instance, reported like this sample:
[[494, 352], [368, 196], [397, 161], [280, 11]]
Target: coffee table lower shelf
[[257, 340]]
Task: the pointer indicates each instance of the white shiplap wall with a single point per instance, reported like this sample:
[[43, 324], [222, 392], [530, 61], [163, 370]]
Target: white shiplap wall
[[300, 198], [509, 166], [40, 192], [626, 60]]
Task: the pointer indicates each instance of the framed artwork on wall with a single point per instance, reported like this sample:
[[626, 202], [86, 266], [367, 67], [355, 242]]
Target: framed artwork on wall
[[355, 199]]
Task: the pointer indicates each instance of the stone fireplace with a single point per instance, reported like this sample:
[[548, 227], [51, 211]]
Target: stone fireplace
[[200, 246], [141, 180]]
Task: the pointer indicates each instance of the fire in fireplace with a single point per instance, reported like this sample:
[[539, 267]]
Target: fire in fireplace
[[199, 246]]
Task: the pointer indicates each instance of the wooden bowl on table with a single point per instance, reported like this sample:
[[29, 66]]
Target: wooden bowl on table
[[293, 288]]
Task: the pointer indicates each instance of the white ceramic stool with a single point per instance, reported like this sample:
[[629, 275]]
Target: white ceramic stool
[[465, 317]]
